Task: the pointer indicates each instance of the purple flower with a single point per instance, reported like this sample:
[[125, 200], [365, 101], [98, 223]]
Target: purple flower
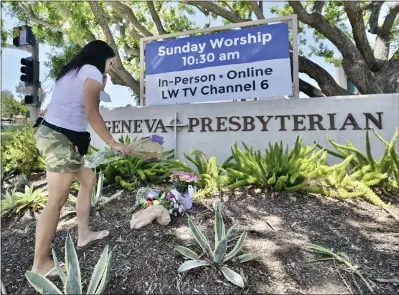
[[157, 139]]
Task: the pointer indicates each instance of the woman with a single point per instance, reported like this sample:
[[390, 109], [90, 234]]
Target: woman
[[75, 104]]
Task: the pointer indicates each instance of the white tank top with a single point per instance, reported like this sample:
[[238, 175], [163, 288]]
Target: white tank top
[[67, 106]]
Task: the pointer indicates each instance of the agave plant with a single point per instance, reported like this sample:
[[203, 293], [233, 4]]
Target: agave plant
[[218, 256], [72, 279], [97, 191], [31, 199]]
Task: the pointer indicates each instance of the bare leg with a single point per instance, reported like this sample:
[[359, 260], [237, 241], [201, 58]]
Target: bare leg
[[87, 179], [58, 191]]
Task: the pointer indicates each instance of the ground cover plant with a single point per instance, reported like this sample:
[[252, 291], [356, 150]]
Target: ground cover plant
[[18, 150], [273, 210], [218, 256], [72, 280]]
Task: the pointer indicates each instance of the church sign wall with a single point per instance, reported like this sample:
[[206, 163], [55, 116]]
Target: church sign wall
[[214, 127]]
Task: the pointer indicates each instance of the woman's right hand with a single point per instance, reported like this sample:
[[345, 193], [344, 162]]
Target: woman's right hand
[[120, 147]]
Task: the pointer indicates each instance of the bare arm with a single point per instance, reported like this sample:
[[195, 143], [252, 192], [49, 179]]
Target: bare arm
[[92, 90]]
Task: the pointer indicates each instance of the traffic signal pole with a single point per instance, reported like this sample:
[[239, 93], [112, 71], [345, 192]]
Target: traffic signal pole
[[35, 108], [25, 40]]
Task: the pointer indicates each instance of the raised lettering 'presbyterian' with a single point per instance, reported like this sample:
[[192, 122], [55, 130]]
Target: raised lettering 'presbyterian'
[[299, 122]]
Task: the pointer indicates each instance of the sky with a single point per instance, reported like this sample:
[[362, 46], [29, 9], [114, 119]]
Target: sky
[[120, 95]]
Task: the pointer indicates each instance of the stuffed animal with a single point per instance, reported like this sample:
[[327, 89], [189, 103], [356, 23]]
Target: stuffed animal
[[177, 209]]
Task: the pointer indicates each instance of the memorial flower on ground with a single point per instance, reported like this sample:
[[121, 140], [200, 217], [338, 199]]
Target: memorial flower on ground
[[182, 180]]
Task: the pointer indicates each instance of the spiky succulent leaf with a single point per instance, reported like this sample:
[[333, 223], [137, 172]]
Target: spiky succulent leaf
[[237, 248], [59, 270], [41, 284], [72, 263], [98, 272], [220, 250], [247, 257], [187, 252], [192, 264], [219, 225], [72, 285], [232, 276], [200, 238]]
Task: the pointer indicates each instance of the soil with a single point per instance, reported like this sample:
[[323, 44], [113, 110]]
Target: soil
[[280, 226]]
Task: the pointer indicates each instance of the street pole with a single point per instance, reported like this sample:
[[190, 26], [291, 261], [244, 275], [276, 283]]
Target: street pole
[[34, 109]]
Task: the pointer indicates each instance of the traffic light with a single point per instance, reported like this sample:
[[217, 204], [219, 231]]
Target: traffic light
[[24, 38], [27, 70], [23, 35]]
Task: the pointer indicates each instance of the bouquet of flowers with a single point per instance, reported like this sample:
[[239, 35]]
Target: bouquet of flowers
[[181, 180], [147, 148], [185, 187]]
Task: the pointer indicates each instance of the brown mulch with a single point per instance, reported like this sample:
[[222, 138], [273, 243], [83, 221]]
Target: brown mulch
[[279, 226]]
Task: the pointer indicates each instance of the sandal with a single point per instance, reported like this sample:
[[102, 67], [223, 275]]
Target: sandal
[[102, 235], [52, 273]]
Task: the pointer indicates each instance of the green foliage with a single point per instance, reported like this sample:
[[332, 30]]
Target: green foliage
[[373, 173], [17, 202], [11, 107], [18, 150], [219, 255], [97, 191], [72, 279], [277, 168], [213, 178], [340, 257], [130, 171]]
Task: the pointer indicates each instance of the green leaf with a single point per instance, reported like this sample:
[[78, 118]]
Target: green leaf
[[72, 285], [237, 248], [98, 272], [232, 276], [192, 264], [59, 270], [247, 257], [41, 284], [219, 224], [72, 263], [220, 250], [187, 252], [199, 237]]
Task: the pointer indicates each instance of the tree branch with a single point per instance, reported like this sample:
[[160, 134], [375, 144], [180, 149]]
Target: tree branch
[[326, 82], [353, 62], [32, 16], [129, 15], [381, 46], [318, 6], [355, 15], [256, 8], [118, 68], [216, 9], [309, 89], [126, 47], [389, 21], [375, 7], [65, 12], [156, 18]]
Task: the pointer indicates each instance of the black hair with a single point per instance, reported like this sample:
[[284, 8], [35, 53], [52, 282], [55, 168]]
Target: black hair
[[94, 53]]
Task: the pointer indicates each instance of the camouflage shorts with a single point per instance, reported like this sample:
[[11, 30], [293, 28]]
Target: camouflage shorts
[[57, 150]]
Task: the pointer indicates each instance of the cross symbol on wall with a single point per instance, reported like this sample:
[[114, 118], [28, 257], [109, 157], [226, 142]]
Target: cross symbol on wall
[[176, 125]]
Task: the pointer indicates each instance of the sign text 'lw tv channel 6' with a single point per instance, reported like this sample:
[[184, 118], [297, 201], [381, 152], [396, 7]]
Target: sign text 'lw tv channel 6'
[[237, 64]]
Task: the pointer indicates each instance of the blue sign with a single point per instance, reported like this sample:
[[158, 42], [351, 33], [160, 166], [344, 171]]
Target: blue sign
[[220, 59]]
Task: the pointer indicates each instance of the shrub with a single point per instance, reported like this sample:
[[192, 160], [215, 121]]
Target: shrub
[[382, 173], [213, 177], [72, 280], [277, 168], [18, 149], [216, 257], [16, 202]]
